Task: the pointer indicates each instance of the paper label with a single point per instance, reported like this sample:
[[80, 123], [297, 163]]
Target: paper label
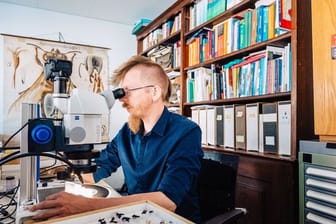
[[269, 140], [333, 47], [240, 138]]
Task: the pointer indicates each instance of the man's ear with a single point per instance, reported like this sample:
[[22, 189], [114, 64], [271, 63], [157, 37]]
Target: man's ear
[[156, 93]]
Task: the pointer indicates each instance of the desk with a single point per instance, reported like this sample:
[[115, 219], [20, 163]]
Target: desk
[[11, 209]]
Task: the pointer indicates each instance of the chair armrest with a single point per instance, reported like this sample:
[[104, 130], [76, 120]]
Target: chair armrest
[[227, 217]]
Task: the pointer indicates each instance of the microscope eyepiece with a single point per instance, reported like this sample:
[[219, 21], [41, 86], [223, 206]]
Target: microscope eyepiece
[[119, 93]]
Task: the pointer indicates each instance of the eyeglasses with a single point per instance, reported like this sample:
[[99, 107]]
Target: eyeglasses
[[127, 91]]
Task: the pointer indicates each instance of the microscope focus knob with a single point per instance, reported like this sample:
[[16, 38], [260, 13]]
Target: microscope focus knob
[[42, 134]]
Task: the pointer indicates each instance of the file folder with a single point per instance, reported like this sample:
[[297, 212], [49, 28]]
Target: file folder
[[240, 124], [252, 126], [229, 127], [203, 123], [284, 128], [211, 125], [219, 113], [195, 114], [269, 127]]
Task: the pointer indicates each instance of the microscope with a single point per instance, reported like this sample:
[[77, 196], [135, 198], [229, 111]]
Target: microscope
[[71, 127]]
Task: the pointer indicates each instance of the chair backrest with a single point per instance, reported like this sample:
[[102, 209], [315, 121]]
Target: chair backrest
[[217, 183]]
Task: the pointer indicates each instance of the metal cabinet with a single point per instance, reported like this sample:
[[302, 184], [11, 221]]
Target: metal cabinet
[[317, 182]]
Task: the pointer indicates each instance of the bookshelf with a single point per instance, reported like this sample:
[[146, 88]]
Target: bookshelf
[[267, 183]]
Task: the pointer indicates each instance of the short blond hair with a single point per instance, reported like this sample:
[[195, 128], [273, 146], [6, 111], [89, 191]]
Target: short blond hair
[[160, 75]]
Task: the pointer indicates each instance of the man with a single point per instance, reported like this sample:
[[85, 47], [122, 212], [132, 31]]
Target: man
[[159, 151]]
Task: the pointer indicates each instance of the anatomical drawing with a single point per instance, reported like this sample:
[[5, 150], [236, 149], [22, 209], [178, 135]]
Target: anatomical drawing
[[23, 74], [40, 87]]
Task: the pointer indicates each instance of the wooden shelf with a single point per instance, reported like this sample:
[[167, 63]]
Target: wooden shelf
[[267, 183], [169, 40], [244, 100], [277, 41], [249, 153], [225, 15]]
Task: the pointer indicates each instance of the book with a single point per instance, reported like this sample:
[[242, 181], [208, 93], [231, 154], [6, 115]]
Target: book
[[211, 9], [286, 14], [242, 74], [236, 35], [219, 39], [271, 21], [203, 84], [196, 46], [272, 53], [260, 22], [140, 24], [262, 77], [217, 82], [193, 46], [265, 20], [254, 26], [248, 27], [175, 95], [264, 3], [190, 86], [232, 3]]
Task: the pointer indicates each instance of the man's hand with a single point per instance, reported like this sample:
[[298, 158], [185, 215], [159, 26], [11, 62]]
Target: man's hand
[[61, 204]]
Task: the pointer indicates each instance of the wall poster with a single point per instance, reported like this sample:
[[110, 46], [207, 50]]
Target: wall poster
[[22, 77]]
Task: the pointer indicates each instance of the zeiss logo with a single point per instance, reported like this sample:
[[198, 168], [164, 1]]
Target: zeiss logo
[[77, 117]]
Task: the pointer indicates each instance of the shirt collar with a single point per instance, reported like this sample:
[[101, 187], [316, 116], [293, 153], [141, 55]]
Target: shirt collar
[[160, 126]]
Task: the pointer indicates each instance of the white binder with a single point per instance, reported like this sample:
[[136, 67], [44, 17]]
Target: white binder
[[268, 135], [229, 131], [195, 114], [203, 123], [252, 127], [284, 128], [211, 125]]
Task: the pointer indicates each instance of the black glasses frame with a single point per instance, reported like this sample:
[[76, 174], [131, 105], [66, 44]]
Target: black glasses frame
[[137, 88]]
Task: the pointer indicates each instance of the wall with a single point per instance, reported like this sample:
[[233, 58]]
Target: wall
[[25, 21]]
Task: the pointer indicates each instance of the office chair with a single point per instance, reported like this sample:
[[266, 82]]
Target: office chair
[[217, 184]]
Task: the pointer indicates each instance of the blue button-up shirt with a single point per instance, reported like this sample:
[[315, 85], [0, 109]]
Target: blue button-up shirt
[[167, 159]]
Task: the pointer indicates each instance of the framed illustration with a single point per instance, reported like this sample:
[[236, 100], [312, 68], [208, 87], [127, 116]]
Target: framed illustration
[[22, 77]]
